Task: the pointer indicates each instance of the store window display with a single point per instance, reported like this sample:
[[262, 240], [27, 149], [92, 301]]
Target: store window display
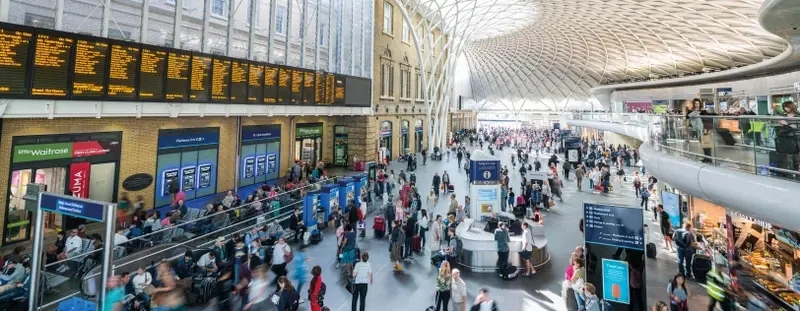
[[308, 142]]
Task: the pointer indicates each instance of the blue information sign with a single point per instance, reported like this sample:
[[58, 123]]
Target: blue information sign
[[188, 140], [672, 205], [616, 281], [251, 133], [75, 207], [485, 172], [614, 225]]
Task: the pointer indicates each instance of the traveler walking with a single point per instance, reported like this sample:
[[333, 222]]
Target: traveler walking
[[316, 289], [257, 291], [362, 277], [443, 283], [666, 227], [527, 249], [288, 298], [685, 241], [436, 183], [398, 239], [579, 173], [280, 253], [437, 229], [424, 222], [483, 302], [679, 294], [458, 292]]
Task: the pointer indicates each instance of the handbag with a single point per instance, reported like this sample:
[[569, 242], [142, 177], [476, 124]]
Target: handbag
[[551, 203], [275, 298], [350, 286]]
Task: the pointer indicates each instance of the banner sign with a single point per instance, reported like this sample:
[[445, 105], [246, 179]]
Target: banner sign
[[616, 281], [188, 140], [614, 225], [75, 207], [261, 132], [301, 132], [418, 126], [79, 179], [65, 150], [485, 172]]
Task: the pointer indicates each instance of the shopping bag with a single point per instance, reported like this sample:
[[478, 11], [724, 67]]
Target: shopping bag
[[551, 204]]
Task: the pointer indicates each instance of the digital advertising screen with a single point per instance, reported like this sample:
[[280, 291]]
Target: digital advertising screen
[[188, 178], [249, 167], [204, 179], [169, 178], [261, 165], [89, 69]]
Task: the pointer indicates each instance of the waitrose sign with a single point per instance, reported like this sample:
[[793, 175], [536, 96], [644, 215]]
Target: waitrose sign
[[30, 153]]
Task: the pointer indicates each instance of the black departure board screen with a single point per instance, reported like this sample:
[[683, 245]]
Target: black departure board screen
[[152, 70], [270, 84], [122, 72], [200, 78], [220, 80], [178, 72], [338, 90], [14, 46], [255, 80], [308, 88], [89, 69], [297, 87], [329, 84], [319, 91], [284, 86], [238, 82], [51, 62]]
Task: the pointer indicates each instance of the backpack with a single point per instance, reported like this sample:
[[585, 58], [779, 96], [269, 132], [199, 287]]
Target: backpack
[[320, 295], [680, 238], [401, 237]]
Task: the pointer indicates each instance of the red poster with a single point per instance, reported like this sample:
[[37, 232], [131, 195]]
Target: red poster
[[88, 149], [79, 179]]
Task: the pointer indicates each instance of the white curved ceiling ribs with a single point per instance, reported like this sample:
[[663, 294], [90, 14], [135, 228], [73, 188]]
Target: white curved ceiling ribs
[[545, 54]]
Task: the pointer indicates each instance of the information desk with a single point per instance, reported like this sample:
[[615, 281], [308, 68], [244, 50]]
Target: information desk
[[479, 250]]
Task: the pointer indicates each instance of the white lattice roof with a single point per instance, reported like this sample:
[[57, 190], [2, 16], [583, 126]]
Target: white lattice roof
[[547, 54]]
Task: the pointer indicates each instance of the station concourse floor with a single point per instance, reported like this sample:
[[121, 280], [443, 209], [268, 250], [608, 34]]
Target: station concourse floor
[[413, 288]]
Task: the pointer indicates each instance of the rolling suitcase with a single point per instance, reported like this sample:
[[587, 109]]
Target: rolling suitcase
[[726, 136], [651, 250], [509, 273], [379, 226], [701, 265], [450, 188], [416, 244]]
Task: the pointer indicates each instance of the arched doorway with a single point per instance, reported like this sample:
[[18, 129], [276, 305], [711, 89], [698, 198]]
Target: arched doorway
[[418, 132], [404, 141], [385, 135]]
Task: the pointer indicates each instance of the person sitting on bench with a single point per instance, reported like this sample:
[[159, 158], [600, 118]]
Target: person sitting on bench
[[17, 289]]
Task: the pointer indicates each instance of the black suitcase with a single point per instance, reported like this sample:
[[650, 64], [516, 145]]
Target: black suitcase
[[510, 273], [726, 136], [651, 250], [701, 264], [450, 188]]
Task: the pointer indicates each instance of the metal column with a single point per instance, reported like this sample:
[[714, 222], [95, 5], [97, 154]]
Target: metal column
[[353, 38], [36, 261], [273, 7], [231, 11], [176, 32], [108, 253], [316, 35], [303, 35], [289, 6], [253, 22], [145, 21], [59, 15], [204, 47], [106, 18], [331, 33]]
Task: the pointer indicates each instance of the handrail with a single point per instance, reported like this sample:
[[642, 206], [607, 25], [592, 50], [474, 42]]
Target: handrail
[[714, 116]]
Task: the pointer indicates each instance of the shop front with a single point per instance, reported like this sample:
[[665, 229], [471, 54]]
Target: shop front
[[260, 154], [340, 145], [84, 165], [308, 142], [386, 140], [418, 135], [187, 162], [404, 141]]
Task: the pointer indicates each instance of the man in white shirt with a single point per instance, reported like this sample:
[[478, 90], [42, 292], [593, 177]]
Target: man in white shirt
[[228, 200], [458, 292], [141, 280], [208, 262], [74, 247], [279, 253], [120, 238], [527, 248]]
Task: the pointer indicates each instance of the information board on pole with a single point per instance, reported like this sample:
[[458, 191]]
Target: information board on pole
[[614, 225], [72, 206]]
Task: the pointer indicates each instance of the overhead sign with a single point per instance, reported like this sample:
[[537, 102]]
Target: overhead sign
[[261, 132], [614, 225], [75, 207], [485, 172], [188, 140], [616, 281], [301, 132], [65, 150]]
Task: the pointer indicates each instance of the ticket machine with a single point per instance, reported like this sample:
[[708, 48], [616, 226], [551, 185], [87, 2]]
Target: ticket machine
[[311, 216], [361, 189], [347, 192], [329, 199]]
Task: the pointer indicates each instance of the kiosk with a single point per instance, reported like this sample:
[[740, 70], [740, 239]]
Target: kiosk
[[329, 199], [310, 215], [361, 190], [347, 192], [479, 250]]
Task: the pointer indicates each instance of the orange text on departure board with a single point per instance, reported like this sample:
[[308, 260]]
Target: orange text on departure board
[[200, 69], [90, 61], [13, 60], [255, 73], [177, 70], [51, 52], [220, 79], [122, 70], [152, 63], [238, 75]]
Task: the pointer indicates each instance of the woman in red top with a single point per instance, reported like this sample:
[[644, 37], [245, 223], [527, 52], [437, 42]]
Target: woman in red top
[[316, 292]]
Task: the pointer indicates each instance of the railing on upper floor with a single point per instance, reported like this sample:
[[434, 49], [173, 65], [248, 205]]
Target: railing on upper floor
[[762, 145]]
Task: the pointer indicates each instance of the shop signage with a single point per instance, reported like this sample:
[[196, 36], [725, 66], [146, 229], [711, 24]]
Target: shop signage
[[188, 140], [204, 181], [761, 223], [75, 207], [66, 150], [251, 133], [616, 281], [137, 182], [418, 126], [386, 133], [404, 131], [485, 172], [308, 131], [614, 225], [79, 179]]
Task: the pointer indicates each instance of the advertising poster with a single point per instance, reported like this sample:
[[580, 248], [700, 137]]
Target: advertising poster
[[487, 198], [660, 106], [672, 205], [572, 155], [334, 198], [249, 169], [169, 177], [272, 162], [79, 179], [615, 281], [204, 181], [188, 178], [261, 165]]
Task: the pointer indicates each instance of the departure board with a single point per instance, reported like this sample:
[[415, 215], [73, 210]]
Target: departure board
[[200, 78], [152, 69], [329, 84], [338, 91], [308, 88], [238, 82], [51, 62], [255, 79], [297, 87], [270, 84], [89, 69], [14, 45], [319, 91], [122, 72], [284, 86], [220, 80], [178, 76]]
